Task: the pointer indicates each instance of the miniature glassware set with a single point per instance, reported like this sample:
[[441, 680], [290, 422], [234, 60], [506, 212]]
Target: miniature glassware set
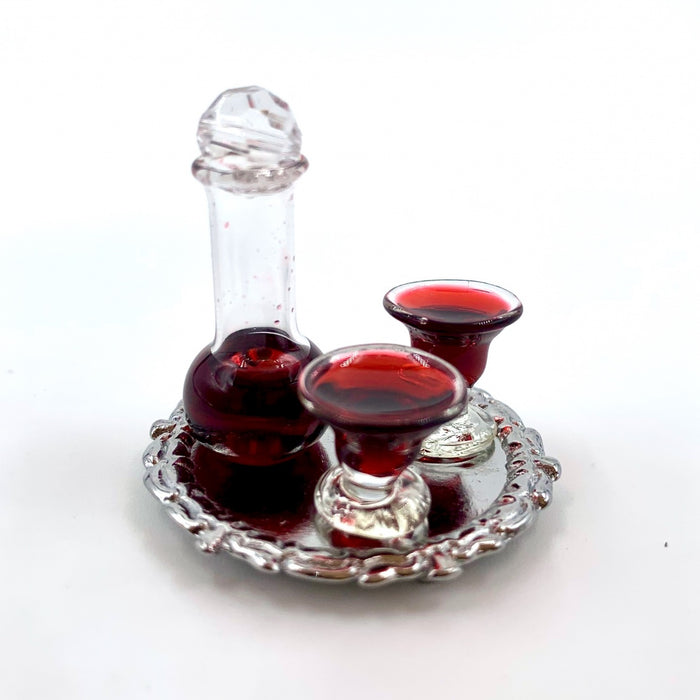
[[262, 393]]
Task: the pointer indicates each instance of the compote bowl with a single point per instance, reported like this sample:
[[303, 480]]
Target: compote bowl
[[456, 320], [381, 401]]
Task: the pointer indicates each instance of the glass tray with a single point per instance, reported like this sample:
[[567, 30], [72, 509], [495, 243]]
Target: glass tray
[[477, 507]]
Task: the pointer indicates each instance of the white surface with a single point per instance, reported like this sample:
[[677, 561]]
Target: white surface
[[549, 147]]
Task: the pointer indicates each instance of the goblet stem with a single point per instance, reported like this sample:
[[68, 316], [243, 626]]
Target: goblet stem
[[373, 492], [457, 441], [366, 489], [399, 516]]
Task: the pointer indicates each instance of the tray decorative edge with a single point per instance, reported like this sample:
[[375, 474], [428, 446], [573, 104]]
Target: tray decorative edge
[[530, 476]]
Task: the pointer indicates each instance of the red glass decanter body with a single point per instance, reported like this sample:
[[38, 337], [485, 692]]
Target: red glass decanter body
[[242, 399]]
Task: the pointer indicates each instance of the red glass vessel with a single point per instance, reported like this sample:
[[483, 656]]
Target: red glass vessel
[[381, 401], [240, 394], [241, 398], [456, 320]]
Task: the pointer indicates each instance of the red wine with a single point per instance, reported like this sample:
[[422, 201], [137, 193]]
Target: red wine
[[454, 320], [382, 403], [450, 308], [469, 354], [242, 398], [386, 389]]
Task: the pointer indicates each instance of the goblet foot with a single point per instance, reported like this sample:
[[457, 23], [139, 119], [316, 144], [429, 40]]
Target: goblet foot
[[398, 517], [457, 441]]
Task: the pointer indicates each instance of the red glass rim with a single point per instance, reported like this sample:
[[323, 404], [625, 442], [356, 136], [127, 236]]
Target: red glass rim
[[418, 304], [397, 370]]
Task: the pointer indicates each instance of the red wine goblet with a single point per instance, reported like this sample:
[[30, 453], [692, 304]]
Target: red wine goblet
[[456, 320], [381, 401]]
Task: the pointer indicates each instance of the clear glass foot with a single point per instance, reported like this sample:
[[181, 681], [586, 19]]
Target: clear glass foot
[[391, 517], [460, 439]]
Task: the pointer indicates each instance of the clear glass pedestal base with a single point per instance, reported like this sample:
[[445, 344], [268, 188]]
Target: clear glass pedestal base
[[399, 519], [469, 434]]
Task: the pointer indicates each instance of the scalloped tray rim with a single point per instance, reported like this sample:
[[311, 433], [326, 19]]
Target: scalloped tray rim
[[528, 488]]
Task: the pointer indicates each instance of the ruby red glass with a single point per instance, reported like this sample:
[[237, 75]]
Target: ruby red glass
[[456, 320], [381, 401]]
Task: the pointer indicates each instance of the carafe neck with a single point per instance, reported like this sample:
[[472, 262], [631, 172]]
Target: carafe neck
[[252, 240]]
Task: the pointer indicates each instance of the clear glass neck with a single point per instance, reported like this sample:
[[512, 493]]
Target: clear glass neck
[[252, 240]]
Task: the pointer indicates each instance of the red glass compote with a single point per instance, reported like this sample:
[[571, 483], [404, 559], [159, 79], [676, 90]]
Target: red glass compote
[[456, 320], [381, 401]]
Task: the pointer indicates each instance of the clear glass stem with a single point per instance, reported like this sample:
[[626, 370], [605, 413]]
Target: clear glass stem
[[364, 488], [459, 440]]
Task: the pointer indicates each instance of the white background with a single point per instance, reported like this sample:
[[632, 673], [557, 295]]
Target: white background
[[550, 147]]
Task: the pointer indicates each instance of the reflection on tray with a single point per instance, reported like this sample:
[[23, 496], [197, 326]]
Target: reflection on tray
[[278, 500]]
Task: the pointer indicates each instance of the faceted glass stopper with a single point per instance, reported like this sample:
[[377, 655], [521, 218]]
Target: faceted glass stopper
[[251, 127]]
